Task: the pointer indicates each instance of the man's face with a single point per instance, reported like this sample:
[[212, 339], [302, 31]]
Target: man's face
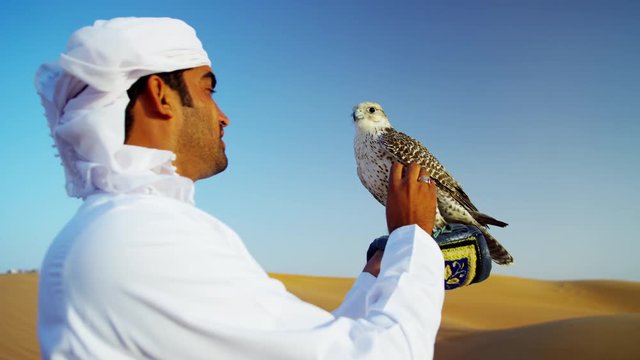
[[200, 145]]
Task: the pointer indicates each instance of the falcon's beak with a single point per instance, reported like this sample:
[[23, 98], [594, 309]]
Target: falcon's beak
[[357, 115]]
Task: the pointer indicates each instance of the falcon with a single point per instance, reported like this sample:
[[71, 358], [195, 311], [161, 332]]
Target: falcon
[[377, 145]]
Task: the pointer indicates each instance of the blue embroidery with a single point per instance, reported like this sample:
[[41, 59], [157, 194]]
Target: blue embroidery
[[456, 272]]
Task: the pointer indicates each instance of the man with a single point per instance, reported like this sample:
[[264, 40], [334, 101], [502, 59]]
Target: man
[[140, 272]]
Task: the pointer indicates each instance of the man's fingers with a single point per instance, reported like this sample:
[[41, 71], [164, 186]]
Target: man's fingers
[[399, 172], [395, 174], [413, 172]]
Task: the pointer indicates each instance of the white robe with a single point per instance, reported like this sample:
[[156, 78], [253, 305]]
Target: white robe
[[151, 276]]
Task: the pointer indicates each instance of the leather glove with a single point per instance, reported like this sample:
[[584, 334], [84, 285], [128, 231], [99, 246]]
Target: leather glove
[[465, 251]]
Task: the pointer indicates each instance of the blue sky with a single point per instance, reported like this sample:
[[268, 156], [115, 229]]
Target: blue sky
[[533, 106]]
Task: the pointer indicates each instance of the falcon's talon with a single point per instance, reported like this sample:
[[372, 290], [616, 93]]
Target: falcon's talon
[[438, 231]]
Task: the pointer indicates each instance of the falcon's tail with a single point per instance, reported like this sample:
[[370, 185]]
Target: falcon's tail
[[485, 219], [499, 254]]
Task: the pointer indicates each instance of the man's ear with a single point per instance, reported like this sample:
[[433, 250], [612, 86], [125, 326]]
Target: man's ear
[[160, 99]]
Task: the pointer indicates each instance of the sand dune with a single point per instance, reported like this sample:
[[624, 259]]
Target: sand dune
[[595, 337], [513, 318], [503, 302], [18, 300], [501, 318]]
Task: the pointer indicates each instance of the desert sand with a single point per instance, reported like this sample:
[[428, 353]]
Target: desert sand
[[501, 318]]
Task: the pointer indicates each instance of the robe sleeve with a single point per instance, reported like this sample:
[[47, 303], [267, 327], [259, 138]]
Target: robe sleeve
[[354, 303], [394, 316]]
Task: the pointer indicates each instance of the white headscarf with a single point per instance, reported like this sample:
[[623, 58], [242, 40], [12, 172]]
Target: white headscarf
[[85, 95]]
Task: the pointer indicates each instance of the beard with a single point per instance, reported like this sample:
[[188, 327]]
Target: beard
[[200, 143]]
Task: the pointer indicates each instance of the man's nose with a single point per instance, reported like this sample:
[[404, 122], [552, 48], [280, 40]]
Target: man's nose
[[222, 117]]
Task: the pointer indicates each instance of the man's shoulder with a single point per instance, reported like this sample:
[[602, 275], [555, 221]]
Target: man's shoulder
[[113, 219], [135, 232], [125, 209]]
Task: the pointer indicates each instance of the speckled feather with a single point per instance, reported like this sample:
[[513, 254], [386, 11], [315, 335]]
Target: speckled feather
[[405, 149]]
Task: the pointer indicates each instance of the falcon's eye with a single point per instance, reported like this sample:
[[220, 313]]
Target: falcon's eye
[[372, 110]]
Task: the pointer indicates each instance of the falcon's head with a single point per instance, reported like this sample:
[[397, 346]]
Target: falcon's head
[[369, 117]]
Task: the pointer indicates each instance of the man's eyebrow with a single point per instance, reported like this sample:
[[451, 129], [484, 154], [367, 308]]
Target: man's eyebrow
[[212, 77]]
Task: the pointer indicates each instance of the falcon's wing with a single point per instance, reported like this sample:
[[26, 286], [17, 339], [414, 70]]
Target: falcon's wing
[[405, 149]]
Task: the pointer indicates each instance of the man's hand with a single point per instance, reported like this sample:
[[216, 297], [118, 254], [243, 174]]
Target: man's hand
[[373, 265], [410, 200]]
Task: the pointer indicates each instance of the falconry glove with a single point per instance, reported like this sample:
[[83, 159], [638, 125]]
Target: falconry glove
[[465, 251]]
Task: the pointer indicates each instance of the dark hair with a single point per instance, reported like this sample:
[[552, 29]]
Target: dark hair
[[175, 81]]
